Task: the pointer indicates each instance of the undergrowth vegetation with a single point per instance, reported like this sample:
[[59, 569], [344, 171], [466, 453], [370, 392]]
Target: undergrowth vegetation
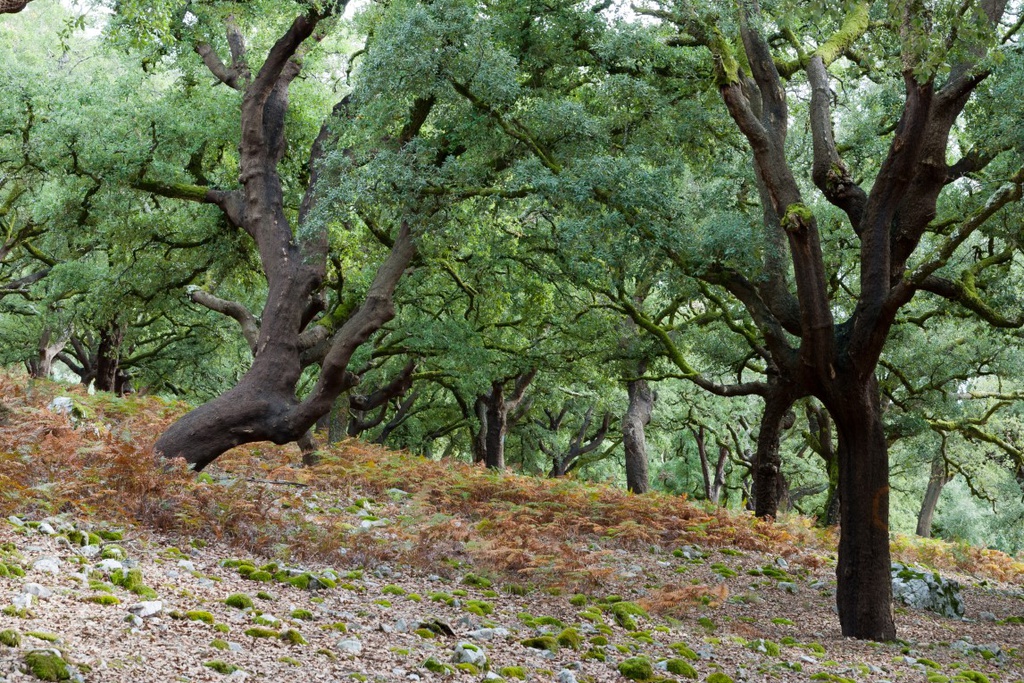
[[97, 462]]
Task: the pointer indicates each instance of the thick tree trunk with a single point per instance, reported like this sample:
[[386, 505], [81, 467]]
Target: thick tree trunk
[[936, 481], [864, 593], [637, 417]]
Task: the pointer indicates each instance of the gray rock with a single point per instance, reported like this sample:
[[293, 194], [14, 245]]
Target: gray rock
[[38, 590], [397, 494], [922, 589], [491, 676], [987, 616], [237, 675], [788, 586], [109, 566], [468, 653], [781, 563], [134, 620], [89, 550], [349, 645], [50, 565], [146, 608], [206, 583], [62, 405], [23, 600], [404, 626], [234, 647], [566, 676], [45, 528], [16, 521]]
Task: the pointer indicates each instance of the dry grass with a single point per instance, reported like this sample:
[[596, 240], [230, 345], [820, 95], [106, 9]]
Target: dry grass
[[100, 466]]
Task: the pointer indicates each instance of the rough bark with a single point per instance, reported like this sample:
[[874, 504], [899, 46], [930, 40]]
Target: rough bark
[[769, 486], [634, 440], [12, 6], [864, 588]]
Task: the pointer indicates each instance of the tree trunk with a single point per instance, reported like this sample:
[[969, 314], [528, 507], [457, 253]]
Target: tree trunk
[[768, 483], [938, 479], [864, 593], [820, 432], [108, 358], [637, 417], [497, 426], [41, 366]]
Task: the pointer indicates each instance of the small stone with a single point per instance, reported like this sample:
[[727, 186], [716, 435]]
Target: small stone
[[135, 621], [349, 646], [50, 565], [397, 494], [89, 550], [187, 565], [38, 590], [46, 528], [402, 626], [147, 608], [491, 676], [236, 675], [109, 566], [23, 601], [566, 676], [788, 586], [16, 521], [62, 405], [234, 647], [987, 616], [781, 563]]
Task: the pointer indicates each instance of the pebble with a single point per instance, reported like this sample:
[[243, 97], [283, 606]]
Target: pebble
[[987, 616], [89, 550], [467, 653], [23, 601], [187, 565], [109, 566], [45, 528]]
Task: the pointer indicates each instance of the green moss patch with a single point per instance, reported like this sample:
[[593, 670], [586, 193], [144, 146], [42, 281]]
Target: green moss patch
[[47, 665]]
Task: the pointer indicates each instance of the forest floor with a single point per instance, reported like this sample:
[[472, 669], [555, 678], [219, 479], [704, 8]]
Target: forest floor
[[381, 566]]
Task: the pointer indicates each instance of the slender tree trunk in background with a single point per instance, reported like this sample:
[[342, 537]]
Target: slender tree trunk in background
[[634, 440], [497, 426], [108, 358], [938, 478], [41, 366], [493, 410], [864, 587], [820, 432]]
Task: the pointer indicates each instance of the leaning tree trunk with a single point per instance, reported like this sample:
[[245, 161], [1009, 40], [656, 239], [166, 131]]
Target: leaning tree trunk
[[864, 587], [637, 417], [264, 405], [12, 6]]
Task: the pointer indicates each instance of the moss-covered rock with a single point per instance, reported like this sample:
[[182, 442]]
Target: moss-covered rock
[[238, 601], [47, 665], [570, 638], [303, 614], [516, 672], [104, 599], [221, 667], [10, 638], [219, 644], [549, 643], [261, 632], [719, 677], [199, 615], [624, 611], [680, 667], [293, 637], [637, 669]]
